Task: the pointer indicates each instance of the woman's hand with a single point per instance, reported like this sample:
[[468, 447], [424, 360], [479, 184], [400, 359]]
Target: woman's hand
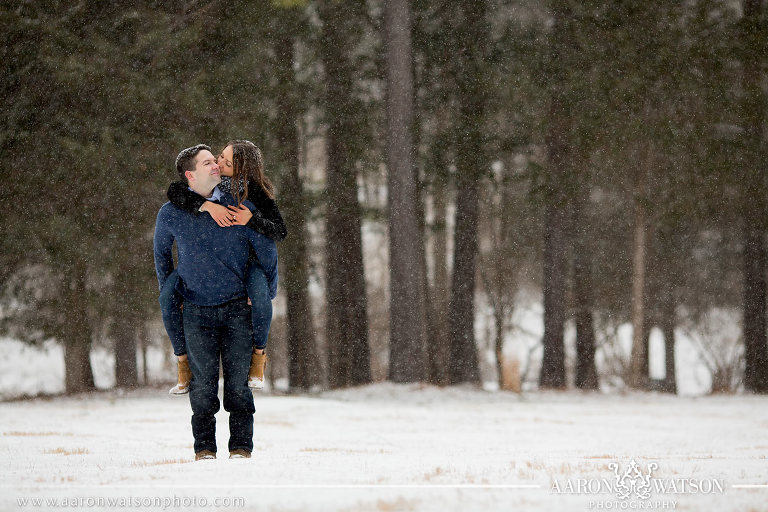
[[219, 213], [242, 215]]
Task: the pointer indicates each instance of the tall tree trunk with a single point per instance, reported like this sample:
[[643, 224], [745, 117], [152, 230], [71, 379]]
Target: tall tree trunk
[[586, 372], [428, 308], [347, 322], [638, 377], [428, 331], [558, 145], [303, 364], [553, 358], [668, 328], [754, 210], [438, 341], [471, 164], [144, 363], [649, 324], [755, 349], [125, 335], [463, 361], [125, 328], [406, 311], [78, 374], [498, 345]]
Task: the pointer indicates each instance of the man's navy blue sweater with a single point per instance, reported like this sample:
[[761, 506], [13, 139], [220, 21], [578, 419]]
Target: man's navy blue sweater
[[212, 259]]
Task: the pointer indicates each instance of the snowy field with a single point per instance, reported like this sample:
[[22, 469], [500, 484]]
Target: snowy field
[[388, 447]]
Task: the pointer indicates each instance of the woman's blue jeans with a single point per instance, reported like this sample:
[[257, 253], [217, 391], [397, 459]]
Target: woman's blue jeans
[[261, 308]]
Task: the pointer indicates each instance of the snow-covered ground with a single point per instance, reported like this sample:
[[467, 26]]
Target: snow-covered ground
[[388, 447]]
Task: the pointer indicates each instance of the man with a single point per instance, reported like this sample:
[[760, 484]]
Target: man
[[211, 266]]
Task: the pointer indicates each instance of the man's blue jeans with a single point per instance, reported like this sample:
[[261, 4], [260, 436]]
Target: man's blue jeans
[[261, 308], [213, 331]]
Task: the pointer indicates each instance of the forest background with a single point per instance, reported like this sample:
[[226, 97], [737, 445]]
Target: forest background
[[441, 166]]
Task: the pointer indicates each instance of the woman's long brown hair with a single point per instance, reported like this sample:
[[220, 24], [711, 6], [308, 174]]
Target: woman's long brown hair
[[248, 162]]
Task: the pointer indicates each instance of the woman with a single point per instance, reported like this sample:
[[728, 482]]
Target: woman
[[241, 165]]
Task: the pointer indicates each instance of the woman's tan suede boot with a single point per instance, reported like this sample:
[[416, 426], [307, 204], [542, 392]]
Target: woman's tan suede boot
[[185, 375], [256, 373]]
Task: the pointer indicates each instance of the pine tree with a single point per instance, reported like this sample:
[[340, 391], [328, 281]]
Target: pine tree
[[347, 322]]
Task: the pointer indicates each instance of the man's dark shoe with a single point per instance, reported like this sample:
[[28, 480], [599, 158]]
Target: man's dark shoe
[[205, 455], [240, 454]]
